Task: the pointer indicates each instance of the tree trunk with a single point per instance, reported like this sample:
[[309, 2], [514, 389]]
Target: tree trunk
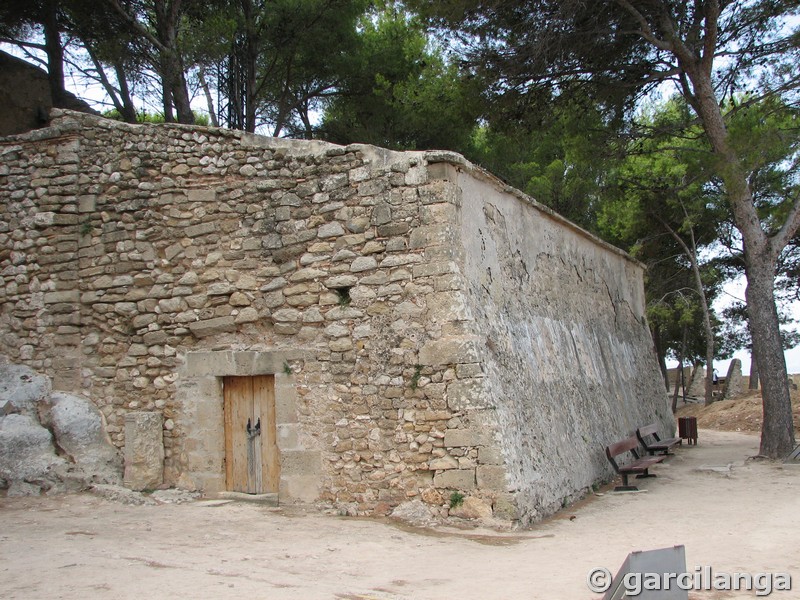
[[679, 372], [777, 433], [128, 110], [691, 254], [212, 114], [175, 83], [709, 389], [121, 98], [231, 73], [168, 16], [55, 55], [662, 362], [170, 62], [167, 102], [250, 57]]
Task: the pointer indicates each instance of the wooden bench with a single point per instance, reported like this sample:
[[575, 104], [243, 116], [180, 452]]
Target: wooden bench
[[638, 467], [658, 445]]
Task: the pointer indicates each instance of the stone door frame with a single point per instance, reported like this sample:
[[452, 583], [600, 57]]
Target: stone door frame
[[199, 421]]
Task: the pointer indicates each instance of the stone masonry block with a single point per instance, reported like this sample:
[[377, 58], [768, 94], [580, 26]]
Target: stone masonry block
[[466, 394], [491, 477], [505, 507], [301, 463], [450, 350], [201, 229], [445, 463], [431, 235], [435, 268], [442, 170], [87, 204], [488, 455], [59, 297], [448, 306], [463, 437], [287, 437], [212, 326], [460, 479], [299, 488], [201, 195], [144, 450]]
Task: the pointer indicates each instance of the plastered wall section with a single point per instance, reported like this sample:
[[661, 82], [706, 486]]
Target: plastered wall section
[[565, 345]]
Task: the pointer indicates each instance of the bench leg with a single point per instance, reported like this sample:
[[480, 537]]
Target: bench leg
[[645, 474], [625, 487]]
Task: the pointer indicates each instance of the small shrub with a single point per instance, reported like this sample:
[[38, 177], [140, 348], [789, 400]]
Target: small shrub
[[343, 294], [414, 383], [456, 499]]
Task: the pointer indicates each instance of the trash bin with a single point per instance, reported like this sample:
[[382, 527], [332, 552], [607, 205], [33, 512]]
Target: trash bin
[[687, 429]]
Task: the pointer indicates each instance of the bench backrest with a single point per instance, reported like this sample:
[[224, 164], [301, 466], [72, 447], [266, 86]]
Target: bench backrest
[[625, 445], [651, 429]]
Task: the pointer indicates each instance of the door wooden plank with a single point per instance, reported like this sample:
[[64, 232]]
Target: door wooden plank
[[254, 468], [264, 407], [227, 412], [239, 402]]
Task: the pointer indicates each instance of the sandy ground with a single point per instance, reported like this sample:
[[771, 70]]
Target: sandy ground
[[731, 513]]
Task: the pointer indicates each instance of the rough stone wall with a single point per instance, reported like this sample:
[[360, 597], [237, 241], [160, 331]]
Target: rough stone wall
[[140, 264]]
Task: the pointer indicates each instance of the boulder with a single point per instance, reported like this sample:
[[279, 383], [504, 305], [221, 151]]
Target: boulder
[[472, 508], [415, 512], [26, 98], [80, 434], [21, 389], [28, 460], [50, 441]]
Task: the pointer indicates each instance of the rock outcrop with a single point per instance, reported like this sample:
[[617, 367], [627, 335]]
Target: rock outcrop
[[50, 441]]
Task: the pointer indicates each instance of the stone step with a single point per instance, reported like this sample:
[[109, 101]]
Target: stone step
[[265, 499]]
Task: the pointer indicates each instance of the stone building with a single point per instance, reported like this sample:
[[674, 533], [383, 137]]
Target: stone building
[[345, 325]]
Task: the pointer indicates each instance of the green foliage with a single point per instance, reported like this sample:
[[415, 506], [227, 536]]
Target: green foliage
[[399, 92], [735, 333], [559, 159], [154, 117], [456, 499], [343, 296], [659, 204], [414, 383]]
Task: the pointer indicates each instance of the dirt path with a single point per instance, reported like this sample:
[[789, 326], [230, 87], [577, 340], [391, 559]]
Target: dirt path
[[732, 514]]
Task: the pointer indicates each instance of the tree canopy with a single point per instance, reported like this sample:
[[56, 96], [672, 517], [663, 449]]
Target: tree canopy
[[548, 94], [614, 52]]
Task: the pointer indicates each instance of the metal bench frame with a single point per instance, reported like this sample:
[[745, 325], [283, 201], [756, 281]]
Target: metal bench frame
[[659, 445], [640, 465]]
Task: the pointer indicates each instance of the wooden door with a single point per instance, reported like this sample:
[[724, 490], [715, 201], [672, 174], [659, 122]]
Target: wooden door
[[252, 462]]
